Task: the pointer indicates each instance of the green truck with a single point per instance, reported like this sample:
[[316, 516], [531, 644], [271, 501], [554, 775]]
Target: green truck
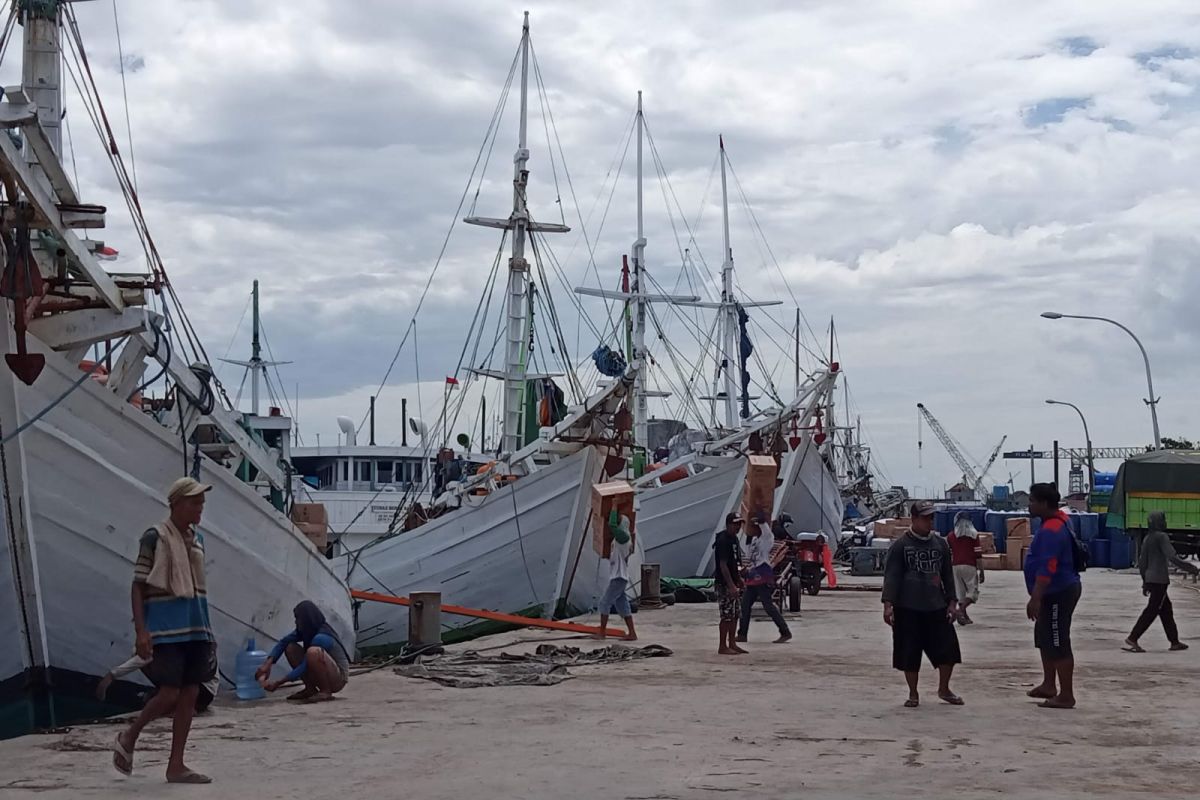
[[1162, 480]]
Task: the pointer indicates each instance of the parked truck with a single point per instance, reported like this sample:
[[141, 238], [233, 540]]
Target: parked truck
[[1162, 480]]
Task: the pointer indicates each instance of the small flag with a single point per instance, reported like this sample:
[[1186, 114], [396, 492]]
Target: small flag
[[451, 381], [106, 253]]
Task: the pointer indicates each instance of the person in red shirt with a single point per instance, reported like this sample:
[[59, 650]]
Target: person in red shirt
[[967, 557]]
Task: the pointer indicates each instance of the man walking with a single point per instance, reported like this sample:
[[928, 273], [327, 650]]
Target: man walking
[[170, 620], [727, 577], [618, 576], [1054, 589], [760, 581], [920, 605], [1155, 555], [967, 557]]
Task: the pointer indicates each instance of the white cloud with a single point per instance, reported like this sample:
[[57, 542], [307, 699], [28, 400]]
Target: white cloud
[[932, 174]]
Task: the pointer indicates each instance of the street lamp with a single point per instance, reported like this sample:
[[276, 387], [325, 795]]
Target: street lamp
[[1087, 437], [1153, 401]]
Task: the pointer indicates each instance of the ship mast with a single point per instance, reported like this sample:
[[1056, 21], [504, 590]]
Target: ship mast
[[517, 330], [729, 320], [256, 365]]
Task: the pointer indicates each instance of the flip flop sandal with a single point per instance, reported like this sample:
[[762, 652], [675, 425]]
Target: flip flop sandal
[[911, 703], [122, 759], [1135, 648], [190, 777], [952, 699], [1052, 704]]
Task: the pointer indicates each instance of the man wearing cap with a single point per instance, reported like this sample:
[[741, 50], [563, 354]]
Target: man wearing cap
[[170, 620], [920, 605]]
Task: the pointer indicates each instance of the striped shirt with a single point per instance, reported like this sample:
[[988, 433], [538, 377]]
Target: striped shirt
[[171, 619]]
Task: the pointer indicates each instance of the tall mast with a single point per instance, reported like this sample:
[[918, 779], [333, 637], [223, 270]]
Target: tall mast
[[518, 274], [255, 355], [517, 331], [41, 73], [728, 306], [256, 365], [641, 416]]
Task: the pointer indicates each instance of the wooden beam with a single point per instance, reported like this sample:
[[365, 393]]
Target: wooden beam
[[70, 329], [12, 163], [494, 616], [128, 371], [47, 159]]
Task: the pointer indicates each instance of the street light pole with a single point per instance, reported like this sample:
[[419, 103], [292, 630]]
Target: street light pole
[[1152, 401], [1087, 437]]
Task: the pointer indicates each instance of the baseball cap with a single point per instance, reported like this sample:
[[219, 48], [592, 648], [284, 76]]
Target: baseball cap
[[186, 487], [732, 517], [922, 508]]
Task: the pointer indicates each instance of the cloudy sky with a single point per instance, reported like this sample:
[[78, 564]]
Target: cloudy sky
[[932, 175]]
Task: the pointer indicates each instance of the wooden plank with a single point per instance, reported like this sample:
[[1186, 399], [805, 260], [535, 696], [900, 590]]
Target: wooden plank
[[495, 616], [35, 136], [86, 326], [45, 205]]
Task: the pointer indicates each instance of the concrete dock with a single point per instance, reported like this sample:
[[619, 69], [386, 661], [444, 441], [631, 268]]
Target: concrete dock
[[819, 717]]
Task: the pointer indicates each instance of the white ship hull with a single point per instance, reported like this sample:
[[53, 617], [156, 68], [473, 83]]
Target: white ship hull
[[514, 552], [810, 493], [677, 521], [83, 483]]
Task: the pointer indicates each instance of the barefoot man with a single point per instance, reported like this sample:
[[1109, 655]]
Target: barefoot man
[[316, 654], [1054, 589], [727, 575], [919, 604], [618, 576], [170, 621]]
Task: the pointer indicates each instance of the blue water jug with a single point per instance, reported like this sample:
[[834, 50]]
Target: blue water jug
[[248, 662]]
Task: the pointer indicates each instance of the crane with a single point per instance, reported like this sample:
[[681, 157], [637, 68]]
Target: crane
[[970, 477]]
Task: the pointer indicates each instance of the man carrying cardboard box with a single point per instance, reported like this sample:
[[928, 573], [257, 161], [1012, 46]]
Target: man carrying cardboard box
[[967, 556]]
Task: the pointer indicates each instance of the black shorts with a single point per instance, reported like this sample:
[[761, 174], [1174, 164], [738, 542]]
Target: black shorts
[[1052, 631], [923, 632], [182, 664]]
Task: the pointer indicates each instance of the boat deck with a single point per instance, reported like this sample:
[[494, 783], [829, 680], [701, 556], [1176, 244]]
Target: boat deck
[[821, 717]]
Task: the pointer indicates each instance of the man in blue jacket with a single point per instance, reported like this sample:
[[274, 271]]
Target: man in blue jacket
[[1054, 588]]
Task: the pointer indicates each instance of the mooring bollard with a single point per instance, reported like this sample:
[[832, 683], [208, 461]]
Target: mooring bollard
[[651, 586], [425, 619]]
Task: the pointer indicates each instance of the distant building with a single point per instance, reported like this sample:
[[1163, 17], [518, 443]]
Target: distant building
[[960, 493]]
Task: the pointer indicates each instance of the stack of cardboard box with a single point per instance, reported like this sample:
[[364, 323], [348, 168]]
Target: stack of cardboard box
[[892, 528], [313, 522], [987, 543], [1017, 543]]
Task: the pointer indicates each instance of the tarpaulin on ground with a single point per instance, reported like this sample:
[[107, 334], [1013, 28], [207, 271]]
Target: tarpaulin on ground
[[1168, 471], [546, 666]]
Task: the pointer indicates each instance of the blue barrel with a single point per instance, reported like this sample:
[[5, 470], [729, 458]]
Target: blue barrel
[[1074, 523], [1120, 550], [1111, 533], [1089, 526], [979, 518], [943, 521], [1098, 552], [996, 523]]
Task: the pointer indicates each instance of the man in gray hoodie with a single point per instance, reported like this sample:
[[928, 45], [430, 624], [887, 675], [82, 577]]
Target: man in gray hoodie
[[1155, 555], [920, 604]]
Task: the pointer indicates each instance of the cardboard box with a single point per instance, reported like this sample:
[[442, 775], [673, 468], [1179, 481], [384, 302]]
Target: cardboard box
[[1015, 562], [1018, 528], [759, 491], [317, 534], [987, 543], [994, 561], [606, 497], [310, 514]]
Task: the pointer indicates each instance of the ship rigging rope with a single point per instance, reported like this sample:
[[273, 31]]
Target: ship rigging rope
[[493, 125], [56, 401], [81, 74], [125, 94]]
